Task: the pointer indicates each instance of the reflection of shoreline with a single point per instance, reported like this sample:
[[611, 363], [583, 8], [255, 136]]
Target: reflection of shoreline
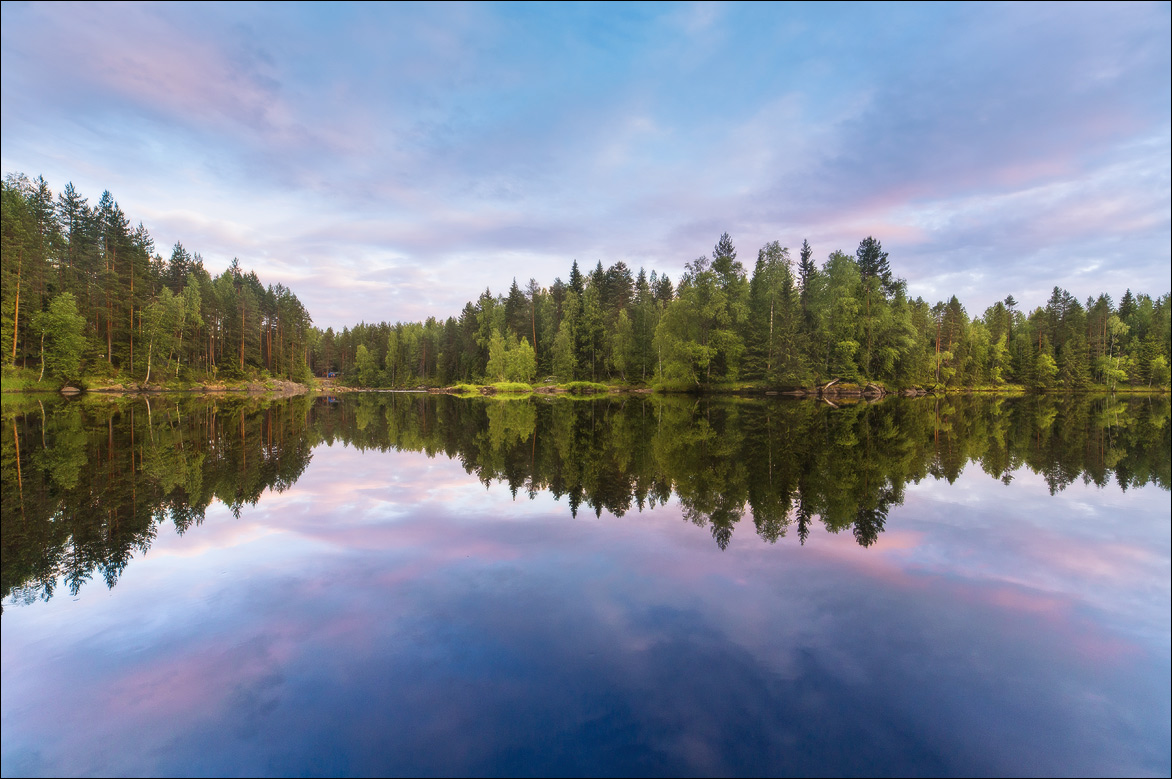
[[95, 477]]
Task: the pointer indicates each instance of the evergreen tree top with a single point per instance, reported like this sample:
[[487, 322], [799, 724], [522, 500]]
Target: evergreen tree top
[[576, 282], [724, 248]]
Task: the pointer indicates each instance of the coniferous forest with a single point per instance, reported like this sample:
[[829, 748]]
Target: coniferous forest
[[87, 295]]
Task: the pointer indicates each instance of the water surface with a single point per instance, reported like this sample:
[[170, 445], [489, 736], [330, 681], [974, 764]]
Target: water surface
[[428, 585]]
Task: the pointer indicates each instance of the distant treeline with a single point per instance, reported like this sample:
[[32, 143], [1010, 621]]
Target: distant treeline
[[85, 294], [88, 293], [783, 325]]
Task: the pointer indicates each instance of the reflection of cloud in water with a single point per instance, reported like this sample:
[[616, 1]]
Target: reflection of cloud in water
[[1037, 544]]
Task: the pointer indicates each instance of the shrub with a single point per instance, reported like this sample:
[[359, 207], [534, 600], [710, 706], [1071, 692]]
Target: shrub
[[585, 388], [511, 386]]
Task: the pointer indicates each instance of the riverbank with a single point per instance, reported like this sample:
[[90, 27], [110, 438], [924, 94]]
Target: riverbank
[[834, 390], [24, 380]]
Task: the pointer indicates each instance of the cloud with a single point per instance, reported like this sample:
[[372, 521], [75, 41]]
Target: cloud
[[987, 147]]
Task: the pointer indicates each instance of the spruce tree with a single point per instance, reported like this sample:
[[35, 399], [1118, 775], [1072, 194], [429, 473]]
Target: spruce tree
[[725, 265], [873, 263], [806, 271], [1126, 305], [577, 283], [806, 265], [517, 317]]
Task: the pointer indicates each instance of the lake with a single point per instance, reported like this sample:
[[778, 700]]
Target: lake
[[385, 583]]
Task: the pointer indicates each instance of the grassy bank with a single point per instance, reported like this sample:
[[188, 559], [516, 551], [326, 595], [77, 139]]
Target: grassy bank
[[594, 388], [26, 380]]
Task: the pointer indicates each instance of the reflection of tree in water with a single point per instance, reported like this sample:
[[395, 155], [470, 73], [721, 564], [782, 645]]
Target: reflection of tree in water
[[782, 463], [95, 478]]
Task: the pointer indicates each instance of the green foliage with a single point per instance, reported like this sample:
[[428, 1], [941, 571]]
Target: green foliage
[[204, 326], [520, 361], [585, 388], [168, 319], [510, 359], [1159, 372], [1045, 371], [368, 372], [14, 379], [674, 386], [563, 351], [622, 349], [61, 329], [495, 369], [850, 319]]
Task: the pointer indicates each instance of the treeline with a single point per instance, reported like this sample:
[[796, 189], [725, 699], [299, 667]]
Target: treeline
[[82, 293], [784, 324]]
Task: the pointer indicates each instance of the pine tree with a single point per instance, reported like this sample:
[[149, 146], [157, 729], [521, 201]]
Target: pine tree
[[724, 249], [873, 263]]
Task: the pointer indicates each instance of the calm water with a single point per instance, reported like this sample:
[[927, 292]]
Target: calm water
[[413, 584]]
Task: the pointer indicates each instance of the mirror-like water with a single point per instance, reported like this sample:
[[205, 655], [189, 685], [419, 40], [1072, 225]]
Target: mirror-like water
[[413, 584]]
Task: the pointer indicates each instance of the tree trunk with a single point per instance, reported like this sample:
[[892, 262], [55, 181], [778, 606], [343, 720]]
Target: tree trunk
[[110, 310], [937, 352], [16, 316], [769, 354], [868, 330]]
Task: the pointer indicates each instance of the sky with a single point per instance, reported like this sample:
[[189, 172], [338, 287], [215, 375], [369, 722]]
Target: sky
[[390, 162]]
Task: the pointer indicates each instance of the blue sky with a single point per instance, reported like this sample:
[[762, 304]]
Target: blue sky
[[390, 162]]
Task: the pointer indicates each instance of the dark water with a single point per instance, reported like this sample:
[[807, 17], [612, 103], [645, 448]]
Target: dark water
[[405, 584]]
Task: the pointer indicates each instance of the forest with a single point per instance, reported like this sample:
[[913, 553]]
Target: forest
[[86, 296], [784, 324]]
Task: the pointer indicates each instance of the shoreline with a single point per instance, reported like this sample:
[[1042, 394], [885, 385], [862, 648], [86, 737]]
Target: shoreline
[[831, 393]]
